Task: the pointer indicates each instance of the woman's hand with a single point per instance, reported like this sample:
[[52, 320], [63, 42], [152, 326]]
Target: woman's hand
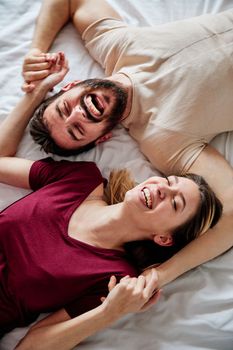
[[58, 70], [37, 66], [131, 295]]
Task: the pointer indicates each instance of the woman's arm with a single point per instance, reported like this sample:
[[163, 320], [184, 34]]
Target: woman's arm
[[14, 171], [14, 125], [12, 128], [59, 332]]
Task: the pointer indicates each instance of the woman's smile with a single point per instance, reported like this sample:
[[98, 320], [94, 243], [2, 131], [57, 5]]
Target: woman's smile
[[147, 197], [163, 204]]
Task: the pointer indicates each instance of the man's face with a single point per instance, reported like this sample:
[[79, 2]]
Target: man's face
[[81, 115]]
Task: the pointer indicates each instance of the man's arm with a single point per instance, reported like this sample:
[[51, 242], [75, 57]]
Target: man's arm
[[84, 13], [219, 174], [54, 14]]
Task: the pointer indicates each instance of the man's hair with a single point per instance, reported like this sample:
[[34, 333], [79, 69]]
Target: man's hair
[[41, 134]]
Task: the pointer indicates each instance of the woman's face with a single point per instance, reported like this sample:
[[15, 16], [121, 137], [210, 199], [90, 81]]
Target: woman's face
[[160, 204]]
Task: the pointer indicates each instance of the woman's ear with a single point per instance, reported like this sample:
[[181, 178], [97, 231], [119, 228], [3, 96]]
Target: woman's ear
[[164, 239]]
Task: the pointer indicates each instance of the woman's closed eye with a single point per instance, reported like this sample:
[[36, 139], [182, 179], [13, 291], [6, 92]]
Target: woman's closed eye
[[174, 204]]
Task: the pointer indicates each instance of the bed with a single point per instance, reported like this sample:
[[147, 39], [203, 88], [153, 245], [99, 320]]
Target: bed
[[195, 312]]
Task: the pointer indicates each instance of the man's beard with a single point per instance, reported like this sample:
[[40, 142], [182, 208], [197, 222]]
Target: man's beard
[[120, 97], [119, 94]]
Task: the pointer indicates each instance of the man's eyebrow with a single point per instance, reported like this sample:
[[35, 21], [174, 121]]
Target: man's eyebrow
[[58, 110], [70, 131], [181, 194]]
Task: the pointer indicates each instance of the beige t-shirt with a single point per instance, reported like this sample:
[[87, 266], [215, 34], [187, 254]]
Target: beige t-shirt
[[182, 78]]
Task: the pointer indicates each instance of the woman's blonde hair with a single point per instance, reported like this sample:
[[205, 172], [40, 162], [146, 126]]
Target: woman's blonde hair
[[120, 181]]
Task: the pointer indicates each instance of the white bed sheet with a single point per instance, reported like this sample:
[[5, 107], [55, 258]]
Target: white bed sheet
[[196, 310]]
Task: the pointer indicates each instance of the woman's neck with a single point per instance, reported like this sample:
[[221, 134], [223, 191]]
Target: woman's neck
[[101, 225]]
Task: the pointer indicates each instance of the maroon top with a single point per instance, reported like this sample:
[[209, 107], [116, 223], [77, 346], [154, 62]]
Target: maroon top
[[42, 269]]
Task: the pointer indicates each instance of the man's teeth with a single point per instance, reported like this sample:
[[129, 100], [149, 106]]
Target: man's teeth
[[147, 197], [91, 107]]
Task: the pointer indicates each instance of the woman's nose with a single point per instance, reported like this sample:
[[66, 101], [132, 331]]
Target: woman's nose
[[167, 190]]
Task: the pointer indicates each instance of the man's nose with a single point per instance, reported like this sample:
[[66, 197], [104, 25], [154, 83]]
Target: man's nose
[[75, 116]]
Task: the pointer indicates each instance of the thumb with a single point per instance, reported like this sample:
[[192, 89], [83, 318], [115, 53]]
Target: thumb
[[112, 283], [27, 87]]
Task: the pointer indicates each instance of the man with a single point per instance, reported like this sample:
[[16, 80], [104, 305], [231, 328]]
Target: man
[[79, 117], [176, 80]]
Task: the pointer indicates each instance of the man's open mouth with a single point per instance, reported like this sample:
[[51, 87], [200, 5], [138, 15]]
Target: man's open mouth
[[94, 104]]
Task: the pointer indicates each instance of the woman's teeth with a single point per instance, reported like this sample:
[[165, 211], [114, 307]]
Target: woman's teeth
[[148, 200]]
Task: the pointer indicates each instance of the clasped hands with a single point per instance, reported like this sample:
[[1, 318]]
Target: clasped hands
[[42, 71], [132, 294]]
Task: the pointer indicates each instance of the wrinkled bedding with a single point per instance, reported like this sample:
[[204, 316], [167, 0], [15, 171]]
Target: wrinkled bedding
[[195, 311]]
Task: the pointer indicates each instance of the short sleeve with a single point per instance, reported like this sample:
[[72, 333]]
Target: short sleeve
[[47, 171], [91, 298], [106, 40], [171, 152], [87, 302]]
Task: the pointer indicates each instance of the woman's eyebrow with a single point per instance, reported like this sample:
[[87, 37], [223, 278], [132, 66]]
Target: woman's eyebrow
[[181, 194]]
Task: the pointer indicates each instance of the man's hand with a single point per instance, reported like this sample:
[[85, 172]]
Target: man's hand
[[58, 70], [131, 295], [147, 273], [37, 66]]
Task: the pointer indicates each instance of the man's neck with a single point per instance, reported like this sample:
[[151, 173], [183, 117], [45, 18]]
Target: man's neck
[[127, 85]]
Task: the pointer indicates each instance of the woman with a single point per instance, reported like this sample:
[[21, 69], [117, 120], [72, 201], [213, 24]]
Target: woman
[[68, 241]]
